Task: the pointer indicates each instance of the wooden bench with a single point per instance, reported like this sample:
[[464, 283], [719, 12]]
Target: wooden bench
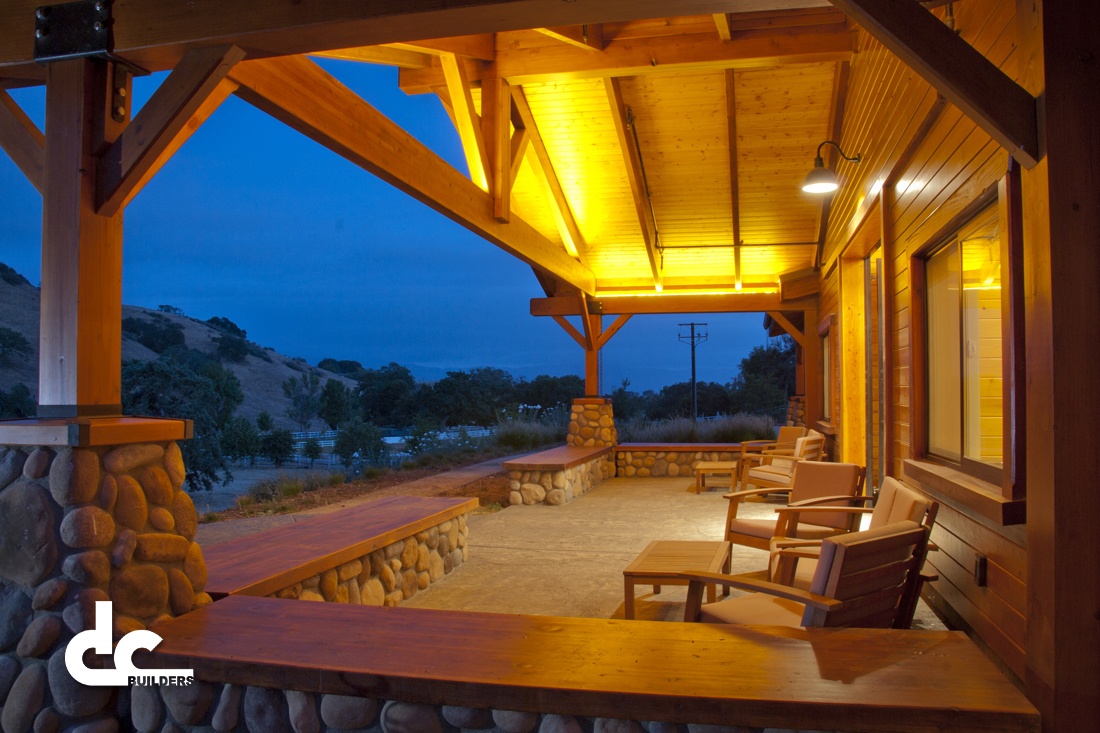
[[557, 475], [766, 677], [270, 561]]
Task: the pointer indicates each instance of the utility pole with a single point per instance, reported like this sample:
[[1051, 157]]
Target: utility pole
[[694, 338]]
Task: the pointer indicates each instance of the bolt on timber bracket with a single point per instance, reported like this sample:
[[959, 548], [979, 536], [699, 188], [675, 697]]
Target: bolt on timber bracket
[[77, 30]]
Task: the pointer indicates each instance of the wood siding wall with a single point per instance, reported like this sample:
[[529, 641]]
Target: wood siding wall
[[924, 162]]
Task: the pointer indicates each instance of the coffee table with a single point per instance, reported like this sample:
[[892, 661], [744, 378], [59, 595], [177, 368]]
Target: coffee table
[[662, 560]]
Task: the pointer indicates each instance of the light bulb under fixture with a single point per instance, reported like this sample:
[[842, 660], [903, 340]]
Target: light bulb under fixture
[[821, 179]]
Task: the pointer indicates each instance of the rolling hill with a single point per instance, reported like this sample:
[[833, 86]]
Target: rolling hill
[[261, 371]]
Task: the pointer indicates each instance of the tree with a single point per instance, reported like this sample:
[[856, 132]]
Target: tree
[[626, 403], [548, 392], [385, 394], [312, 450], [241, 439], [17, 402], [476, 397], [335, 404], [12, 343], [346, 367], [766, 380], [170, 388], [170, 309], [264, 422], [233, 349], [226, 326], [158, 334], [304, 394], [278, 445], [362, 440]]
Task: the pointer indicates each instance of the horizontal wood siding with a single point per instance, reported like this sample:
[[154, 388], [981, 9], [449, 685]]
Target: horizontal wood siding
[[925, 183]]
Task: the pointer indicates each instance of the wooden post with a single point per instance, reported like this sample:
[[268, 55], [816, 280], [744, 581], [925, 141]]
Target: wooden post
[[1058, 48], [811, 358], [80, 357], [592, 360]]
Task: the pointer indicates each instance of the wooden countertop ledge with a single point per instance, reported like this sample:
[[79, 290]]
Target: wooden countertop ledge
[[839, 679]]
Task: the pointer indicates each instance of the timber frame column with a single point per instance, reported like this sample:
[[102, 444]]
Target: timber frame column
[[80, 364], [1059, 49]]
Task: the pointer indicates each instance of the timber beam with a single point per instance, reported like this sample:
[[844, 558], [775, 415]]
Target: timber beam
[[155, 34], [21, 139], [565, 305], [633, 163], [179, 106], [653, 55], [970, 81], [299, 93], [543, 168]]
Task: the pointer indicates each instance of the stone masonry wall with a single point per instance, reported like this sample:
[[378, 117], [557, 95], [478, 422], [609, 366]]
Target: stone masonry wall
[[392, 574], [659, 463], [556, 487], [80, 525], [591, 423], [206, 706]]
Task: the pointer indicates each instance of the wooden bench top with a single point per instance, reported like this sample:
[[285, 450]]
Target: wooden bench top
[[559, 458], [263, 563], [840, 679]]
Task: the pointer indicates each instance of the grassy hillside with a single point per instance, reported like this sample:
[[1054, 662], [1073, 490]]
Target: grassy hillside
[[261, 371]]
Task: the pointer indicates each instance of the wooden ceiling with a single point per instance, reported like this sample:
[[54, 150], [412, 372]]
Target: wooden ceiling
[[661, 143]]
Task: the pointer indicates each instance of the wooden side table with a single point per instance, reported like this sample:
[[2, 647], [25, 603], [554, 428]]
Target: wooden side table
[[662, 560]]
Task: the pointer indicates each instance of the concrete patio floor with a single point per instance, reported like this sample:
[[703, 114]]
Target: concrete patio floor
[[568, 560]]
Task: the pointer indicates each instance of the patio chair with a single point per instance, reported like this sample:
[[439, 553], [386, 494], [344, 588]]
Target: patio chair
[[774, 468], [831, 484], [895, 502], [861, 580]]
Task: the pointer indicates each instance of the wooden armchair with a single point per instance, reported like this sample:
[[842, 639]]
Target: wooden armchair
[[774, 467], [861, 579], [896, 502], [832, 484]]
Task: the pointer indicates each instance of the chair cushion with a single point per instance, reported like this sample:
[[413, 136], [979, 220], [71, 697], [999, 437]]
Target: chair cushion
[[815, 479], [769, 473], [757, 609], [765, 529], [897, 502]]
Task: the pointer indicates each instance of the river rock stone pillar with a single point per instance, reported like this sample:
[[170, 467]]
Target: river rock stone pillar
[[592, 423], [80, 525]]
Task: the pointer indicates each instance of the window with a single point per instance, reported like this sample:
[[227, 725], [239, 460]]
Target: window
[[965, 354]]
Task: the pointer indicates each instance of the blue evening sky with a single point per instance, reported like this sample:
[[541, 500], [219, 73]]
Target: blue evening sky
[[317, 258]]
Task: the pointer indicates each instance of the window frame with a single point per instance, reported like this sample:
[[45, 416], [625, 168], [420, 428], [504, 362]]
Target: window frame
[[1008, 482]]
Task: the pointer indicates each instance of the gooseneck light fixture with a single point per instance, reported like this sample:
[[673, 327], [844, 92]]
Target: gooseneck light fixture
[[821, 179]]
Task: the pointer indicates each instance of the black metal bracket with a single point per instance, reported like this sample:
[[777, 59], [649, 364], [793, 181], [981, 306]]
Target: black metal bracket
[[73, 31], [77, 30]]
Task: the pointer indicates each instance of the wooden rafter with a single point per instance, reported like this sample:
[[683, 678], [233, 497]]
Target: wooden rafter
[[21, 139], [539, 159], [177, 108], [480, 46], [970, 81], [155, 34], [299, 93], [388, 55], [520, 140], [735, 200], [638, 305], [722, 24], [466, 119], [836, 122], [786, 325], [613, 329], [586, 37], [659, 54], [496, 117], [634, 177]]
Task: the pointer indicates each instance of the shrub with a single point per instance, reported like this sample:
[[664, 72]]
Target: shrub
[[734, 429], [529, 428], [157, 334]]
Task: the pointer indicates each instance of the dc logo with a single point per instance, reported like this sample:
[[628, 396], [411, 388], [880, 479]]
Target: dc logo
[[124, 673]]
